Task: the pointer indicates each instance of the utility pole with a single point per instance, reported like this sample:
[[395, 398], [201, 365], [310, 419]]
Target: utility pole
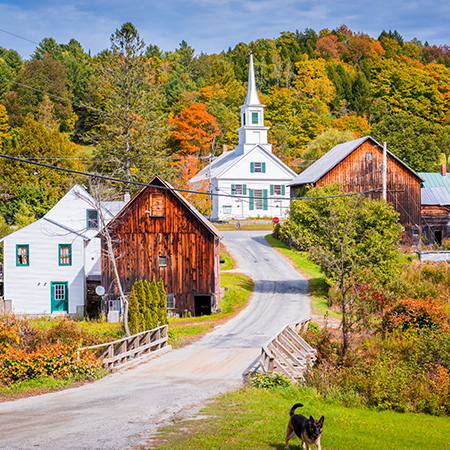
[[384, 172]]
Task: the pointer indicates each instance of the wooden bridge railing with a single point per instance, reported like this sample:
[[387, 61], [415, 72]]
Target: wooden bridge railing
[[119, 352], [288, 353]]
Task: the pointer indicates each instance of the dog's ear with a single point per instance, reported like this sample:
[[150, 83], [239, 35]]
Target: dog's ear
[[322, 419], [311, 419]]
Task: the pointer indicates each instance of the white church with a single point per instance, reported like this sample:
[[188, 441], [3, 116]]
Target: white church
[[250, 181]]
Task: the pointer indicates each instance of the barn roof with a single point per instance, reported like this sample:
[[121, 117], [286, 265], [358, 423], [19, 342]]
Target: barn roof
[[157, 180], [332, 158], [435, 196]]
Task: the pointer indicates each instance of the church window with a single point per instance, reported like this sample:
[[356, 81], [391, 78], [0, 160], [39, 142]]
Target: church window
[[243, 119], [254, 118]]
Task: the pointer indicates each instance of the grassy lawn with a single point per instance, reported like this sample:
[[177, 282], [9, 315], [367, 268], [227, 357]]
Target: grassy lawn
[[311, 271], [256, 419], [185, 330], [229, 260]]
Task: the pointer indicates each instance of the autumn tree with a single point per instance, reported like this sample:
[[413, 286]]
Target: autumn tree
[[131, 128], [346, 236], [42, 77], [38, 187], [195, 130]]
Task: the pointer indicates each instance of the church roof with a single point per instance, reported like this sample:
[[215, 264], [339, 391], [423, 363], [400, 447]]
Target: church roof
[[252, 94]]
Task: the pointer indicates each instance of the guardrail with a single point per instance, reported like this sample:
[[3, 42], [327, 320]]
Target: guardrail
[[288, 353], [119, 352]]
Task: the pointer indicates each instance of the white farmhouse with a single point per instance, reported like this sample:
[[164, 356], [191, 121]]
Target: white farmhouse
[[249, 181], [47, 263]]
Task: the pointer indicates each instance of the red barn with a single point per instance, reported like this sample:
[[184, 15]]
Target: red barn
[[357, 166], [159, 234]]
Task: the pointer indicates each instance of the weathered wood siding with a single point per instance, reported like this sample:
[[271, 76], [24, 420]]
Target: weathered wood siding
[[360, 172], [156, 225], [435, 219]]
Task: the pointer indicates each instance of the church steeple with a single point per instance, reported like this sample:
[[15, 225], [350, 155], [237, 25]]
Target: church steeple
[[252, 94], [252, 131]]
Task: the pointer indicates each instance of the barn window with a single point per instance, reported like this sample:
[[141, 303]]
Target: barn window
[[368, 156], [156, 205], [65, 254], [162, 261], [22, 255], [92, 219], [170, 301]]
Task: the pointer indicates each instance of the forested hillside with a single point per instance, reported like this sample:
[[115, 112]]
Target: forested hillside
[[135, 109]]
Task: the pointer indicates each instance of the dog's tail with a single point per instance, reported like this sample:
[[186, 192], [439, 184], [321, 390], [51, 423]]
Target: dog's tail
[[292, 411]]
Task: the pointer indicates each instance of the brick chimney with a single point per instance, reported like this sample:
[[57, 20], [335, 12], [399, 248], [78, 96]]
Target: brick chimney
[[126, 196], [443, 170], [224, 148]]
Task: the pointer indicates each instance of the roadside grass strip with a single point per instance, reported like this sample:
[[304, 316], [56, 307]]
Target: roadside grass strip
[[186, 330], [253, 418], [244, 226], [229, 260], [317, 282]]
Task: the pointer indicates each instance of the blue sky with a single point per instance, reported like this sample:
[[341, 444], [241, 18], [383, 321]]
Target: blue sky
[[211, 26]]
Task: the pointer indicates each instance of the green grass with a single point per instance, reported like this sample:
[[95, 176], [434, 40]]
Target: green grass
[[185, 330], [312, 271], [229, 261], [256, 419], [37, 386]]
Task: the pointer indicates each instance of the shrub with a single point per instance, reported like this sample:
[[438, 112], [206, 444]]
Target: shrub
[[415, 313], [147, 308], [269, 380]]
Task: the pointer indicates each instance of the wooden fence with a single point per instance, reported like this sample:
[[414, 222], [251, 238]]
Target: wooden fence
[[124, 350], [288, 353]]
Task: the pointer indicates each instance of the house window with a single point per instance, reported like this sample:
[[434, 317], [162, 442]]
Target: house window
[[170, 301], [65, 254], [254, 118], [156, 205], [259, 167], [258, 201], [277, 189], [162, 261], [92, 219], [22, 255], [227, 209], [238, 189]]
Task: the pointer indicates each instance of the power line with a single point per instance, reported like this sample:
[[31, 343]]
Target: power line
[[142, 184]]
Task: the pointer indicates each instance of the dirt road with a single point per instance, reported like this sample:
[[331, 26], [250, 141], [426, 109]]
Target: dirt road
[[122, 410]]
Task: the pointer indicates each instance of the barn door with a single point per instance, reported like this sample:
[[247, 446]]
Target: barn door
[[60, 296]]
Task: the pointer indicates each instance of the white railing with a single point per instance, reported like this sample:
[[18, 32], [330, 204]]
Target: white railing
[[119, 352], [288, 353]]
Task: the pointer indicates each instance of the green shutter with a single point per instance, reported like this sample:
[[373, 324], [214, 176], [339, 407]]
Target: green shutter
[[252, 167], [265, 205], [263, 167], [244, 189], [283, 189], [233, 190], [271, 189], [251, 205]]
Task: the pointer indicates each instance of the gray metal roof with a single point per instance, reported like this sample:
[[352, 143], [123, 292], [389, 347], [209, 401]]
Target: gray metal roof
[[435, 196], [332, 158]]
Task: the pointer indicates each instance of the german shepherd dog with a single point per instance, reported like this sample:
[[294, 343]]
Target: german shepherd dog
[[308, 430]]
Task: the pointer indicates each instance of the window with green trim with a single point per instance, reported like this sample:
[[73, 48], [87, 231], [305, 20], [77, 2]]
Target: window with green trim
[[22, 255], [65, 254], [254, 118]]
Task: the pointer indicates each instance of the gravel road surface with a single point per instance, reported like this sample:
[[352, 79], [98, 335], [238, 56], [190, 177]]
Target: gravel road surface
[[123, 410]]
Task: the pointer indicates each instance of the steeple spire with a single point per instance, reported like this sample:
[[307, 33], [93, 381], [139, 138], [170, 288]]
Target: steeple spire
[[252, 94]]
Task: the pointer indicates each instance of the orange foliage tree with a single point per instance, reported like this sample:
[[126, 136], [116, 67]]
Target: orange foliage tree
[[188, 167], [195, 130], [359, 125]]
